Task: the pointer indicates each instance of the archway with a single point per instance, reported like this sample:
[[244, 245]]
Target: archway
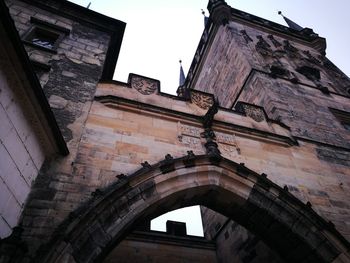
[[287, 225]]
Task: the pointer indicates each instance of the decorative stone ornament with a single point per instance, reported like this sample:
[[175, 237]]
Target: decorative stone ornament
[[263, 47], [203, 101], [274, 41], [246, 37], [255, 112], [145, 86]]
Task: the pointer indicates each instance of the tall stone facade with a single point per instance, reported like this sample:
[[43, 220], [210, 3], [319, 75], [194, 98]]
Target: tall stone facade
[[252, 63], [258, 134]]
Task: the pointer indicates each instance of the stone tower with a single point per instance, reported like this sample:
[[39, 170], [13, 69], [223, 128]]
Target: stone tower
[[258, 136]]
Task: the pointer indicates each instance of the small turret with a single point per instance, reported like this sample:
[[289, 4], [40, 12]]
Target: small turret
[[291, 23]]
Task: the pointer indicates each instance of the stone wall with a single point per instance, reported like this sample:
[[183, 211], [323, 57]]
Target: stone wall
[[127, 127], [234, 243], [26, 134], [122, 127], [21, 149], [142, 247], [68, 74]]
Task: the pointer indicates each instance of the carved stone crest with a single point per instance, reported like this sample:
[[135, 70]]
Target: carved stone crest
[[144, 85], [255, 113], [202, 100], [252, 111]]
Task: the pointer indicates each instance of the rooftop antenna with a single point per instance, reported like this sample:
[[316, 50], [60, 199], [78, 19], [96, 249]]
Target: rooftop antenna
[[88, 6]]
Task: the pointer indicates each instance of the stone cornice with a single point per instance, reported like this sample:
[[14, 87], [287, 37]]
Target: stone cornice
[[219, 124]]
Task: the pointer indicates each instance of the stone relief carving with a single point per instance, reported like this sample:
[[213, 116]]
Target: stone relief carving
[[290, 49], [201, 100], [227, 144], [190, 142], [309, 72], [274, 41], [278, 70], [255, 113], [311, 58], [263, 47], [225, 138], [189, 130], [252, 111], [246, 36], [191, 137], [143, 85], [229, 151]]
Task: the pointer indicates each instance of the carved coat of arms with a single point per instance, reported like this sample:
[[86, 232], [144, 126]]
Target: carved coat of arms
[[143, 85]]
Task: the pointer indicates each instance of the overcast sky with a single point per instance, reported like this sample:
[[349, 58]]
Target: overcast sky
[[160, 32]]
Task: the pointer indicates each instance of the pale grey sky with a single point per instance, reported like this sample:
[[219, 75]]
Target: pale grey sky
[[160, 32]]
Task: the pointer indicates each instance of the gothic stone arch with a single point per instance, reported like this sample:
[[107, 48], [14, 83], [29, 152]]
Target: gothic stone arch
[[287, 225]]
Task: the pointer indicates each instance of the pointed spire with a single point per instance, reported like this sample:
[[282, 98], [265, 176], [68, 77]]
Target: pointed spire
[[290, 23], [205, 18], [182, 75]]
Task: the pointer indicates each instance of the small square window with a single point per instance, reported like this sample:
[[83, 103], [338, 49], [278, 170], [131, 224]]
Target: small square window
[[44, 35], [43, 38]]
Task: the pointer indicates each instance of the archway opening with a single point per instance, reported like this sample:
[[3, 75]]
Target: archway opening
[[191, 216], [291, 228], [224, 241]]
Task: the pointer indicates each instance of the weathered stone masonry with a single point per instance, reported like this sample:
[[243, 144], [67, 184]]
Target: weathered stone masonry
[[288, 74], [264, 155], [69, 75]]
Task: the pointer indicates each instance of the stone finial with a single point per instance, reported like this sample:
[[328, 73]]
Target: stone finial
[[206, 19], [189, 159], [220, 12], [167, 165], [145, 164]]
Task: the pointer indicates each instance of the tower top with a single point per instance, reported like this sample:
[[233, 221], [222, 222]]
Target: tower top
[[182, 75], [205, 18]]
